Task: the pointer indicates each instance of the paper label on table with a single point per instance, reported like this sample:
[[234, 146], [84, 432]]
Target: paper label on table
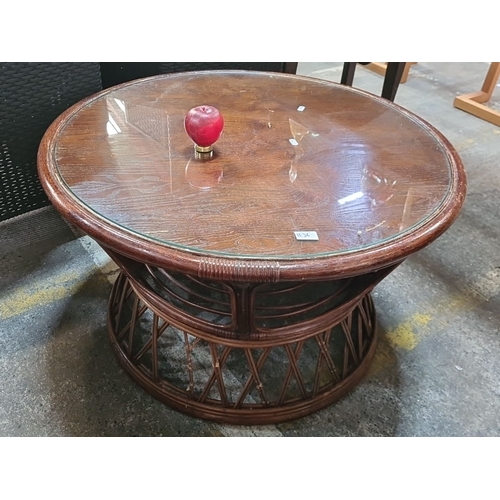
[[306, 235]]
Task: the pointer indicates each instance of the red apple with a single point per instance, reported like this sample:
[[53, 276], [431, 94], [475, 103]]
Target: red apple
[[204, 125]]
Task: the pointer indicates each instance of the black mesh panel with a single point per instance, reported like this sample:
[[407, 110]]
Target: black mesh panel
[[114, 73], [177, 67], [33, 95]]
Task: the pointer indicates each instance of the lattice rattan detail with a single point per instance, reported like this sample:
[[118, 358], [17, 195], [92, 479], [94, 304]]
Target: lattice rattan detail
[[241, 383]]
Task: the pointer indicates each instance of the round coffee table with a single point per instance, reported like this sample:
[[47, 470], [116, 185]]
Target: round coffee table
[[244, 288]]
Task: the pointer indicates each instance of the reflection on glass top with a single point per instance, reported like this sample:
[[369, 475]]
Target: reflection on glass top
[[296, 156]]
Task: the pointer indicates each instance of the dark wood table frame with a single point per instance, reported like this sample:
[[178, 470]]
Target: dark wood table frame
[[243, 340]]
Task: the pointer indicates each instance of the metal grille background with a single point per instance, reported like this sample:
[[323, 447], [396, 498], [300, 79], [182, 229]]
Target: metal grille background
[[114, 73], [32, 96], [176, 67]]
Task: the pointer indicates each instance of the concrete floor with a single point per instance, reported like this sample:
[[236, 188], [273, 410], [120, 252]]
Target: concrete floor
[[437, 368]]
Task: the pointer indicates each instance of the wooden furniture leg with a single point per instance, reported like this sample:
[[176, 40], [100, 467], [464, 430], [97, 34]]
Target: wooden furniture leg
[[348, 73], [473, 103], [392, 79]]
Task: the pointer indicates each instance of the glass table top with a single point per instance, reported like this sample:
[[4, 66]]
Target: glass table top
[[304, 167]]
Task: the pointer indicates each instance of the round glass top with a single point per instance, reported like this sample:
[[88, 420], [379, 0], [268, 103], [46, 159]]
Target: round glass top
[[304, 168]]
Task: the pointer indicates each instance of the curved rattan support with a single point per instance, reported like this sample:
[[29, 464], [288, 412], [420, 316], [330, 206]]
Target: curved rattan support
[[239, 380]]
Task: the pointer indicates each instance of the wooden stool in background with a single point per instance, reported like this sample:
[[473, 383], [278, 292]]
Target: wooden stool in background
[[473, 103]]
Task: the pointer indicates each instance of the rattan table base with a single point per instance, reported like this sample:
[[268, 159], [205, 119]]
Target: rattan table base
[[238, 379]]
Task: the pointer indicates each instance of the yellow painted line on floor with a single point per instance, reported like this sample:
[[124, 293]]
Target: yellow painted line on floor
[[28, 297], [58, 286], [404, 336], [408, 334]]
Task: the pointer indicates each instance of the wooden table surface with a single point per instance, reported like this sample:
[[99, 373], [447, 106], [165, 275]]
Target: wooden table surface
[[375, 182]]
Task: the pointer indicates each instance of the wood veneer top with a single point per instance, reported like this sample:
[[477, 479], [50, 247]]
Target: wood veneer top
[[296, 154]]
